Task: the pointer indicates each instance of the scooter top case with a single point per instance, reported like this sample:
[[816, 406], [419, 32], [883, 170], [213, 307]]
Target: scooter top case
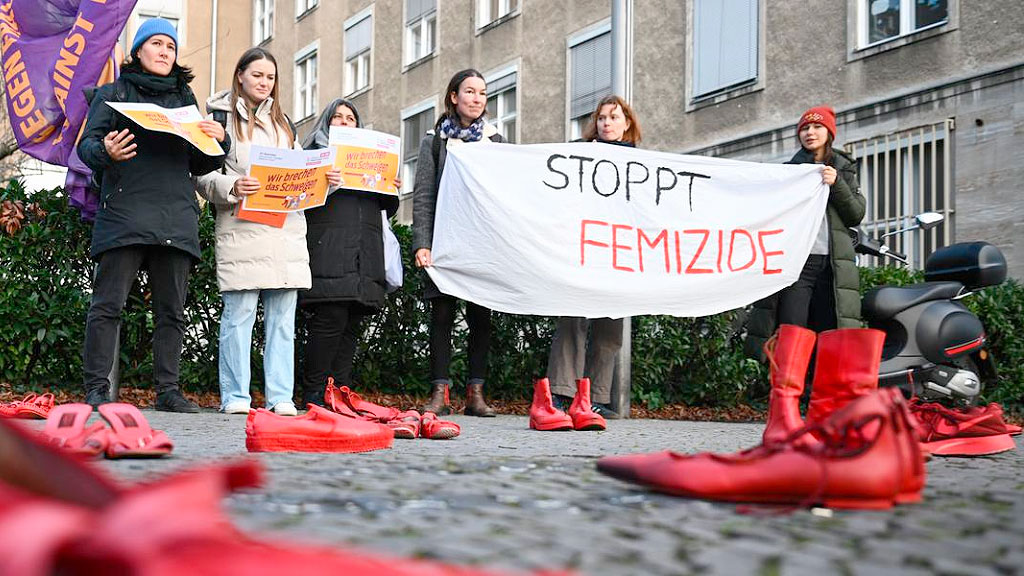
[[974, 264]]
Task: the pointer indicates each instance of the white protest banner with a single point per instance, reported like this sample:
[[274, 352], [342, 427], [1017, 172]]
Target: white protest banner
[[596, 230], [182, 122], [368, 160]]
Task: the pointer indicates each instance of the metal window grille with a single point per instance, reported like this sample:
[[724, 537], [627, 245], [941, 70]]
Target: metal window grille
[[903, 174]]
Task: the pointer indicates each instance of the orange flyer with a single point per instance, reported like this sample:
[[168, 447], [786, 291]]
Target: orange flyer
[[368, 160], [290, 180], [182, 122]]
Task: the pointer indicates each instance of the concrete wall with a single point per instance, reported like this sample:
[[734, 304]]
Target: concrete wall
[[967, 69]]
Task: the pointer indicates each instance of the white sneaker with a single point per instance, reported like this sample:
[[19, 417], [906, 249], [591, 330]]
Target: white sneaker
[[285, 409], [236, 407]]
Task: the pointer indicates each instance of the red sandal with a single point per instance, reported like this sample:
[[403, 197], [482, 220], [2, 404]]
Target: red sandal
[[66, 429], [33, 406], [130, 435], [433, 428]]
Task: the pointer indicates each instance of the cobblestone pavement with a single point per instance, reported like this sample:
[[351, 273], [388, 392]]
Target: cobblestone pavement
[[507, 497]]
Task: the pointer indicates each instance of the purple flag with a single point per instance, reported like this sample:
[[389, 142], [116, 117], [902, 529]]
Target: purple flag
[[51, 50]]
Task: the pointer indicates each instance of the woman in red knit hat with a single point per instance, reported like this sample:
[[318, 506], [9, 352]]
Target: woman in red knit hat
[[827, 293]]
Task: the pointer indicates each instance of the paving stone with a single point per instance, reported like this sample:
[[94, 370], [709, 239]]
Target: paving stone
[[504, 496]]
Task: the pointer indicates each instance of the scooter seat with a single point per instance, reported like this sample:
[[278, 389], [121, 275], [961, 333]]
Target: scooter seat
[[885, 302]]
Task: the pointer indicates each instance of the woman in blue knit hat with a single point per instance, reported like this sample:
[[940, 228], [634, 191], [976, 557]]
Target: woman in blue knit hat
[[148, 214]]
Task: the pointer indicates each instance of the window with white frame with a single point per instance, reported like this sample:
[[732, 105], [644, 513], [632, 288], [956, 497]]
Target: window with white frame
[[488, 11], [303, 6], [262, 20], [903, 174], [501, 105], [590, 77], [420, 29], [725, 45], [884, 20], [358, 44], [306, 82], [415, 123]]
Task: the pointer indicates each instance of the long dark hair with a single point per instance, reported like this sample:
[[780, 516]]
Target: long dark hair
[[453, 87], [632, 134], [276, 114]]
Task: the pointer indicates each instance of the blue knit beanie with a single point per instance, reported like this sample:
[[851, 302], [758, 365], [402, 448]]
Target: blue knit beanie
[[150, 28]]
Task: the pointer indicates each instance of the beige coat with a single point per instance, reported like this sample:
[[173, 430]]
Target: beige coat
[[252, 256]]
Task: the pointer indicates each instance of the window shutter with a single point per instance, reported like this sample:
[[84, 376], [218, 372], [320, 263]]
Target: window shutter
[[725, 44], [357, 38], [591, 74], [499, 85], [416, 9]]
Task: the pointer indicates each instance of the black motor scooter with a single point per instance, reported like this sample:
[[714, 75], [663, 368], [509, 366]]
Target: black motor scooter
[[934, 346]]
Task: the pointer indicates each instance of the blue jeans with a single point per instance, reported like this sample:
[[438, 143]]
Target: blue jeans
[[236, 324]]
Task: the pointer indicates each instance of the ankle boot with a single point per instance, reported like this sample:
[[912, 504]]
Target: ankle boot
[[846, 368], [789, 352], [439, 403], [475, 405], [543, 415], [581, 412]]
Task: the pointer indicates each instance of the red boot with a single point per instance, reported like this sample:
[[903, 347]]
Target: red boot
[[789, 352], [846, 368], [867, 458], [543, 415], [582, 414]]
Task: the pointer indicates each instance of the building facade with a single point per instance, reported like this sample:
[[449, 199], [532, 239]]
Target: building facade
[[929, 94]]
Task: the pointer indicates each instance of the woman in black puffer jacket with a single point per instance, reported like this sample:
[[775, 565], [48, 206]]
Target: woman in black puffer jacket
[[346, 257], [148, 213]]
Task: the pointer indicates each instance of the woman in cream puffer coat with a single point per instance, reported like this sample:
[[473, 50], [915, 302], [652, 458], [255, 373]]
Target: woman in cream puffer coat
[[255, 261]]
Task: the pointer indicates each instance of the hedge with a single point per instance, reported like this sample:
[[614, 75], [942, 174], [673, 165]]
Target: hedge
[[45, 272]]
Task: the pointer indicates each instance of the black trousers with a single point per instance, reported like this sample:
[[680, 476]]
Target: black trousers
[[794, 305], [168, 281], [334, 329], [442, 320]]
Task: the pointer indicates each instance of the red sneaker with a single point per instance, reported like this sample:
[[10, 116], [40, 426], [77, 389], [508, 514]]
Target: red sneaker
[[996, 408], [973, 432], [318, 430]]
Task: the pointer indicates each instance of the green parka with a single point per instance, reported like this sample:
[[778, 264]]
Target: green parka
[[838, 303]]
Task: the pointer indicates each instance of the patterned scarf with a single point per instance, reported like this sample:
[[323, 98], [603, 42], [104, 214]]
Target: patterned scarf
[[452, 129]]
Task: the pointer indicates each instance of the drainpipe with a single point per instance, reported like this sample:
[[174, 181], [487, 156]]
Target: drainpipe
[[213, 48], [622, 84]]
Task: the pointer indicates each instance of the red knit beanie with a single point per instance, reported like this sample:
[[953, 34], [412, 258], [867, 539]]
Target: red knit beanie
[[823, 115]]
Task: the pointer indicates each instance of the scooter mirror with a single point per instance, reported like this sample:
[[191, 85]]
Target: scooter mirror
[[929, 220]]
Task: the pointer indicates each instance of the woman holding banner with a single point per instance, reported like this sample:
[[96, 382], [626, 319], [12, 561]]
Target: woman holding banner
[[147, 217], [346, 255], [827, 294], [465, 104], [255, 261], [581, 365]]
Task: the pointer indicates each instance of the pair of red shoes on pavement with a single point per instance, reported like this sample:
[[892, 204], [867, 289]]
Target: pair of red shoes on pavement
[[60, 516], [407, 424], [32, 406], [350, 425], [581, 416], [856, 449], [974, 431], [129, 435]]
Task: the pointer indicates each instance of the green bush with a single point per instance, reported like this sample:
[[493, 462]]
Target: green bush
[[44, 297]]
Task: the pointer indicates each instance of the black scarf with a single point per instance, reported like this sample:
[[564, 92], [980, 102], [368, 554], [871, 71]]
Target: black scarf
[[153, 85]]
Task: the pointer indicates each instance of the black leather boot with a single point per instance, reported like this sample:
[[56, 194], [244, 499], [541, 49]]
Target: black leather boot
[[475, 405], [439, 402]]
